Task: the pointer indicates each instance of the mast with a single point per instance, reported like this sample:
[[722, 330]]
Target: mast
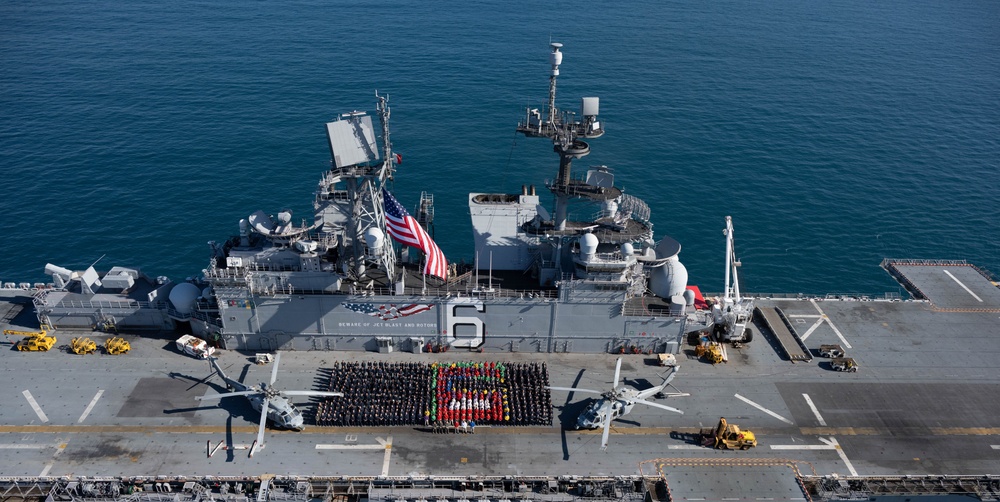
[[555, 58], [564, 132], [357, 164], [385, 256]]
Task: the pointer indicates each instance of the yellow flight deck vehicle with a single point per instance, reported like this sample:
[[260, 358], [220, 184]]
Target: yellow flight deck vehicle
[[117, 345], [728, 436], [847, 364], [713, 352], [82, 345], [33, 340]]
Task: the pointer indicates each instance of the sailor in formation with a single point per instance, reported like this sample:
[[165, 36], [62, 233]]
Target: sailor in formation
[[376, 393], [379, 393]]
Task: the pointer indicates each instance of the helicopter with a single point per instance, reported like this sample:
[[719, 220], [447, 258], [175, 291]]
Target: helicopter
[[280, 410], [619, 401]]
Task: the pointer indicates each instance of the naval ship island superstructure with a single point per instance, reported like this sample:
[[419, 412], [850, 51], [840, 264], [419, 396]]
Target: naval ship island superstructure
[[541, 281]]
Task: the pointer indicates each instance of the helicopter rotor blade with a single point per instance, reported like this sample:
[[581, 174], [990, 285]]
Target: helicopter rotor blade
[[575, 389], [607, 430], [618, 371], [259, 443], [228, 394], [311, 393], [274, 370], [658, 405]]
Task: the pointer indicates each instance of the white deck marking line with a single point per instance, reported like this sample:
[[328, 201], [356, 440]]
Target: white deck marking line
[[350, 447], [835, 330], [812, 328], [812, 406], [966, 288], [685, 447], [24, 446], [765, 410], [34, 406], [90, 406], [995, 446], [48, 467], [839, 334], [802, 447], [388, 452], [840, 451], [810, 316]]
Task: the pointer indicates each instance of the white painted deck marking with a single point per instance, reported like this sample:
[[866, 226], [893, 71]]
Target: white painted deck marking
[[835, 330], [383, 444], [90, 406], [48, 467], [24, 446], [802, 447], [966, 288], [765, 410], [843, 456], [810, 316], [831, 444], [388, 452], [685, 447], [350, 447], [34, 406], [839, 334], [812, 407], [812, 328], [995, 446]]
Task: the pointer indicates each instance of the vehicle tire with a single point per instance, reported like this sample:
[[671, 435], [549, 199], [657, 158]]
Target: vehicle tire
[[747, 335], [744, 447]]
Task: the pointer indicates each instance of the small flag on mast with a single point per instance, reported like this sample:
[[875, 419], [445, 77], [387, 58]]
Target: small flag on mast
[[407, 231], [399, 158]]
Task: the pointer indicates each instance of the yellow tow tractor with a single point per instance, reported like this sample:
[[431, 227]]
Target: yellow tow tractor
[[728, 436], [33, 340], [711, 351], [117, 345], [82, 345]]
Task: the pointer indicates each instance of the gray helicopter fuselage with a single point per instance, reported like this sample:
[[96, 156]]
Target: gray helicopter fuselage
[[593, 416], [280, 411]]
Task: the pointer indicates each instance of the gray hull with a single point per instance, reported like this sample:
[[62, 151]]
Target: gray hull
[[337, 322]]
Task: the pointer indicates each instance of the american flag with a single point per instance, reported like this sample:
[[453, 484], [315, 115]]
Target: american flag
[[388, 312], [405, 229]]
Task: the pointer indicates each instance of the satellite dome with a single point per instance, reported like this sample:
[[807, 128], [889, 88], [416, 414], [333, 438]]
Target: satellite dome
[[688, 297], [374, 238], [285, 217], [669, 280], [183, 296], [588, 244], [627, 249]]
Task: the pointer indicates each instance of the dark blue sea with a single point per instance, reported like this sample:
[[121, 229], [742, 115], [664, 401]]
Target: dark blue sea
[[835, 132]]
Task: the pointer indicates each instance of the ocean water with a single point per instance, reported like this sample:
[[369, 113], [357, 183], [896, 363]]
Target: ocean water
[[835, 133]]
